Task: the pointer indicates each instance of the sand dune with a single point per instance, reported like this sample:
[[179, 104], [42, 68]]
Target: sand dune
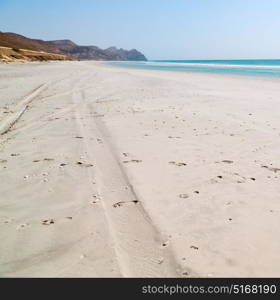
[[110, 172]]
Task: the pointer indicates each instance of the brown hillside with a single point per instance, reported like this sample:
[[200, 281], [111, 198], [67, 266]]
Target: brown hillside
[[13, 40]]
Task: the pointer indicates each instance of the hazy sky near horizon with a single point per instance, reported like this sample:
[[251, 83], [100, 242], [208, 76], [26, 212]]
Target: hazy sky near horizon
[[161, 29]]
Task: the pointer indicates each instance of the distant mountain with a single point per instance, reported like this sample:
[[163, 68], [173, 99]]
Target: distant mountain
[[79, 52], [121, 54], [69, 48], [92, 52]]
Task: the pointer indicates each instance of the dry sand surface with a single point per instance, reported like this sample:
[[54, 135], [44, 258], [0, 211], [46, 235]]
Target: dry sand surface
[[110, 172]]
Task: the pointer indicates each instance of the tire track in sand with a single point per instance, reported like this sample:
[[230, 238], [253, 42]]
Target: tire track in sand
[[7, 123], [141, 250], [19, 109]]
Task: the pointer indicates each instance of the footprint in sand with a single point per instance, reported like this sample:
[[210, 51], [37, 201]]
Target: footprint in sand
[[179, 164], [118, 204], [184, 196], [45, 159], [48, 159], [275, 170], [132, 161], [160, 260], [8, 221], [22, 226], [164, 244], [96, 199], [47, 222], [174, 137], [194, 247], [15, 154], [227, 161], [83, 164]]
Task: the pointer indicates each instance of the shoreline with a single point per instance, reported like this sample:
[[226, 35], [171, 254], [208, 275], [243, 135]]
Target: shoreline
[[198, 72], [107, 63], [121, 172]]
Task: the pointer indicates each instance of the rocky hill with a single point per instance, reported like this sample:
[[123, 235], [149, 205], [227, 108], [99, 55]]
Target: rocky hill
[[92, 52], [68, 48]]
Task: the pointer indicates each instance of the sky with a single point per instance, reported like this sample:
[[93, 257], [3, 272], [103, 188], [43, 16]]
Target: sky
[[161, 29]]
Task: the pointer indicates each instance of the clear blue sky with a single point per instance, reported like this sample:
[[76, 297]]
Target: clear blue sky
[[162, 29]]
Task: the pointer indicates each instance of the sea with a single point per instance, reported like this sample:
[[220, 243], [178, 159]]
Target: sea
[[244, 67]]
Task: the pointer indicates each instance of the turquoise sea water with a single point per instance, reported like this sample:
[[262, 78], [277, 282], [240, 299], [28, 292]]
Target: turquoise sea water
[[250, 67]]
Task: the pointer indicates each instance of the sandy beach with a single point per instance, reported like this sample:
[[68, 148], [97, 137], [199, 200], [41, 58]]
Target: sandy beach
[[115, 172]]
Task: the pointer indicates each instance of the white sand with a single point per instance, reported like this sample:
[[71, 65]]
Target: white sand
[[179, 173]]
